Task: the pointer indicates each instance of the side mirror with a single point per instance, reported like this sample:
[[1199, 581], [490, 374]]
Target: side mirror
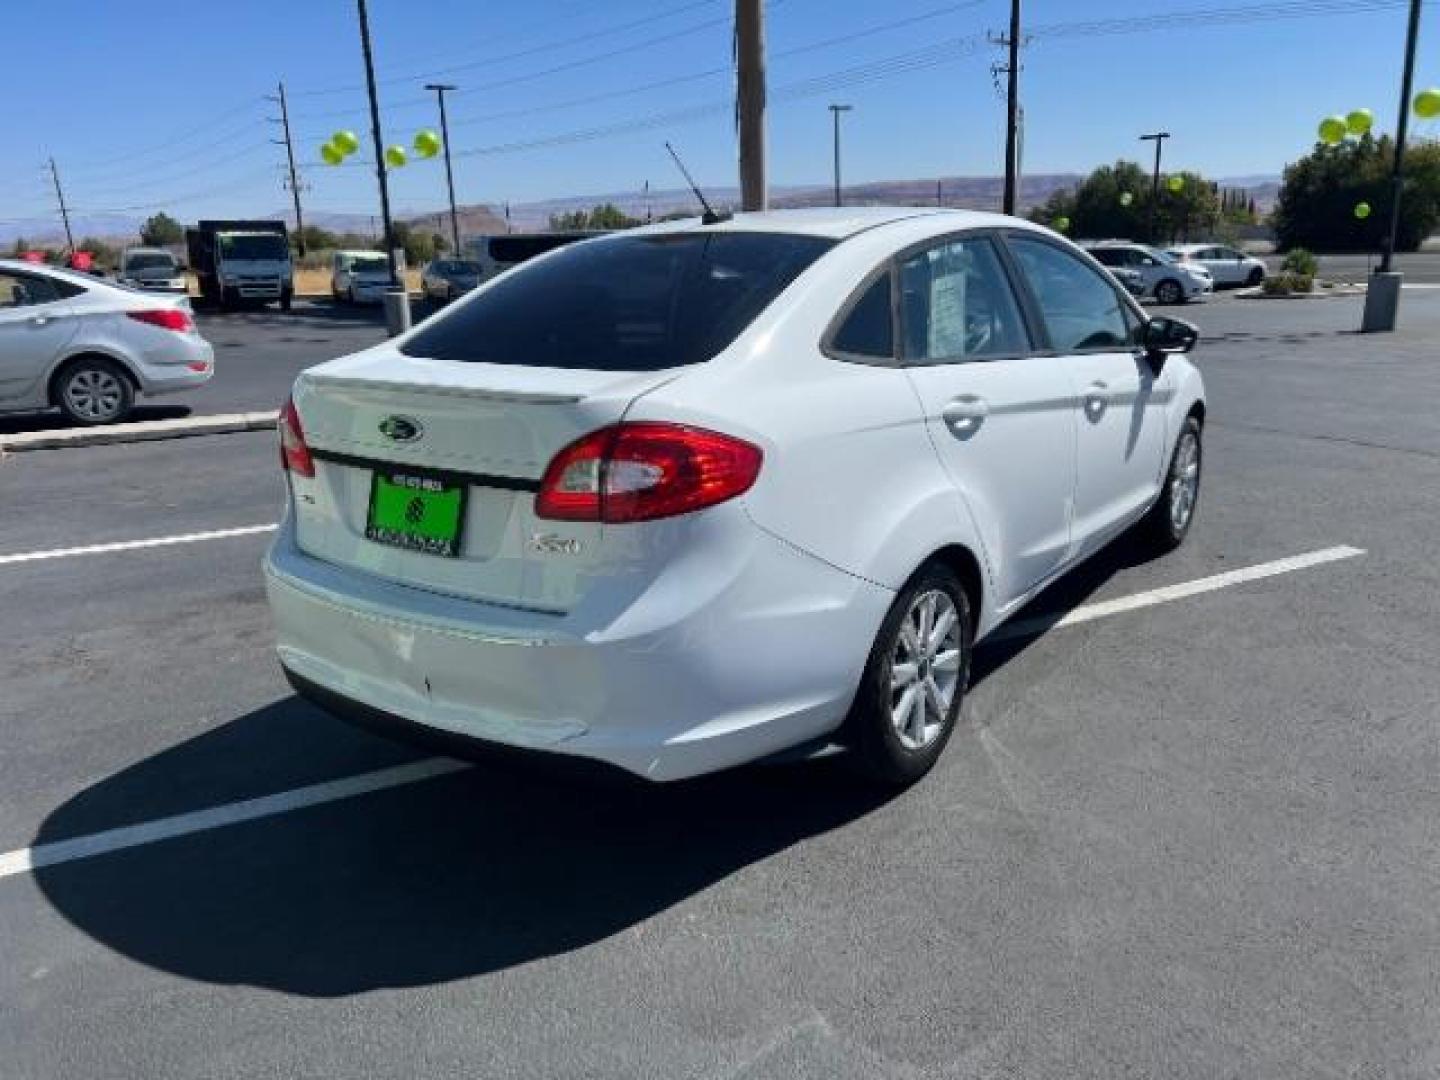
[[1163, 336]]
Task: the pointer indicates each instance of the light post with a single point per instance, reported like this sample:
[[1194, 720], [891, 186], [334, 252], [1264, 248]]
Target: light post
[[835, 111], [440, 89]]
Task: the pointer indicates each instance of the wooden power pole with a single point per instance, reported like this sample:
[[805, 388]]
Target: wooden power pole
[[750, 101]]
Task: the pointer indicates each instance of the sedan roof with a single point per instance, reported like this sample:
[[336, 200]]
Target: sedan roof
[[834, 222]]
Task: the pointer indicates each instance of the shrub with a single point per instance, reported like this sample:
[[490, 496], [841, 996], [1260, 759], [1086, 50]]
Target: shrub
[[1287, 282], [1300, 261]]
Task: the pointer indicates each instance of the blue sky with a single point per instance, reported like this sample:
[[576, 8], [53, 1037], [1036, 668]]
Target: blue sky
[[146, 104]]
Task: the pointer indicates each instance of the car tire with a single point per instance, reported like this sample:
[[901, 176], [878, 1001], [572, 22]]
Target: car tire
[[287, 299], [1257, 277], [350, 294], [1169, 520], [91, 390], [1169, 292], [894, 747]]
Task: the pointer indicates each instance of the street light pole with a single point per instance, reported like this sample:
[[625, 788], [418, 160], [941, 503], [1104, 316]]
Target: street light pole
[[835, 111], [379, 145], [1397, 177], [1158, 138], [440, 89], [750, 101], [1012, 110]]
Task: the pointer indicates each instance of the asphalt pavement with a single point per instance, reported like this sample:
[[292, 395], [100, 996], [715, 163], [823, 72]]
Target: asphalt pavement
[[1192, 836]]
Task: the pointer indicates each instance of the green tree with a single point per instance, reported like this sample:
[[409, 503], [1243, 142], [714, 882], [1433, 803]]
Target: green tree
[[1316, 205], [1097, 207], [606, 216], [161, 229], [314, 239]]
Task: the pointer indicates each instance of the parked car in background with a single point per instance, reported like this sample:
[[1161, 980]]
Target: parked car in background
[[445, 279], [496, 254], [692, 494], [1166, 279], [152, 269], [1227, 266], [359, 277], [89, 348], [1133, 280]]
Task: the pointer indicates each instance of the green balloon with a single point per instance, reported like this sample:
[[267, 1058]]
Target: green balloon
[[347, 142], [1176, 184], [1061, 224], [1359, 121], [1427, 103], [1362, 210], [427, 143], [1126, 198], [1332, 129], [331, 155], [395, 156]]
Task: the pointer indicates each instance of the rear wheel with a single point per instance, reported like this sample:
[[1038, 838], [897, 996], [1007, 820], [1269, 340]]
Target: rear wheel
[[910, 694], [1170, 518], [93, 391], [1169, 292]]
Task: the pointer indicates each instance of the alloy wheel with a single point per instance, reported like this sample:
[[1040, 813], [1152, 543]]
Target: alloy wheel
[[925, 669], [1185, 481], [94, 394]]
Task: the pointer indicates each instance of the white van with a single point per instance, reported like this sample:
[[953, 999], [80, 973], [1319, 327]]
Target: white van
[[359, 277]]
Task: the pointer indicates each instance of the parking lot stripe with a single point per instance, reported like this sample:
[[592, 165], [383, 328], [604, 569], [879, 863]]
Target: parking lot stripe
[[1167, 593], [135, 545], [83, 847], [24, 860]]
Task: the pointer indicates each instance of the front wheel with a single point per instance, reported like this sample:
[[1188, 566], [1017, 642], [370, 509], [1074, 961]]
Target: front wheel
[[1170, 518], [1169, 292], [1257, 277], [286, 299], [910, 694]]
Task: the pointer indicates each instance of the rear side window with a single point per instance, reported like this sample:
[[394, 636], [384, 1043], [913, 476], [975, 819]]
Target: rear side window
[[1082, 310], [25, 290], [956, 304], [868, 330], [633, 303]]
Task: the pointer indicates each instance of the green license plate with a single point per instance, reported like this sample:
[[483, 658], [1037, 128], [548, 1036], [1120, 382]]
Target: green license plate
[[416, 512]]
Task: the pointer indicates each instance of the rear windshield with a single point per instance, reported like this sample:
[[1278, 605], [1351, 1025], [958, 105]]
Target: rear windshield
[[157, 261], [635, 303], [370, 264], [517, 249]]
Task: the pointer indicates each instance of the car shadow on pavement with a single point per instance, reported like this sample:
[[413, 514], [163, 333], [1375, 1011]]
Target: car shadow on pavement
[[473, 872], [55, 421]]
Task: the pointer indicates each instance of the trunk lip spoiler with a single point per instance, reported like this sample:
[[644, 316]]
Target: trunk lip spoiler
[[322, 383]]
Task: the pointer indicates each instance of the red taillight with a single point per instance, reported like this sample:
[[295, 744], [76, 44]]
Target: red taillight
[[165, 318], [643, 471], [294, 454]]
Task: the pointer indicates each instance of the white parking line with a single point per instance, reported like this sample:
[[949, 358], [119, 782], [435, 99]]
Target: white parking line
[[135, 545], [24, 860]]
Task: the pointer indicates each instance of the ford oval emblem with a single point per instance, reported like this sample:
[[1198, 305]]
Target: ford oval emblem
[[401, 428]]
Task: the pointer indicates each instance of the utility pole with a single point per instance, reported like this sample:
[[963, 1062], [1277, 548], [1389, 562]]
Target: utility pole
[[1012, 108], [750, 101], [1158, 138], [939, 198], [440, 89], [294, 179], [835, 111], [64, 214], [1397, 177], [379, 145]]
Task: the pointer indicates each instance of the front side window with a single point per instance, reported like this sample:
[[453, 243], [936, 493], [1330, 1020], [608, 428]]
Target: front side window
[[632, 303], [23, 290], [1082, 310], [868, 329], [956, 304]]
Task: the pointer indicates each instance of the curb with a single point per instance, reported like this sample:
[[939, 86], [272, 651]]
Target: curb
[[1334, 293], [139, 431]]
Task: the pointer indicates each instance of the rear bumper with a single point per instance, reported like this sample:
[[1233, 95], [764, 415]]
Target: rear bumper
[[766, 662], [182, 366]]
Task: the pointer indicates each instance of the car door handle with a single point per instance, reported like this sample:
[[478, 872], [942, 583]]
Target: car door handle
[[964, 415], [41, 320], [1097, 398]]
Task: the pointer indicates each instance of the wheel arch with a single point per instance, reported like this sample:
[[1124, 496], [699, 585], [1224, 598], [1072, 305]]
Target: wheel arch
[[89, 352], [967, 567]]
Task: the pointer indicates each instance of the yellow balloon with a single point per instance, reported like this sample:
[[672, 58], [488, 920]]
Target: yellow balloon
[[1126, 198], [1362, 210], [331, 154], [347, 142], [395, 156], [1332, 129], [1359, 121], [1061, 224], [427, 143], [1427, 103], [1176, 184]]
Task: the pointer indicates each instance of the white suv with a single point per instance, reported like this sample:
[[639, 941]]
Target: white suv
[[692, 494], [1166, 278]]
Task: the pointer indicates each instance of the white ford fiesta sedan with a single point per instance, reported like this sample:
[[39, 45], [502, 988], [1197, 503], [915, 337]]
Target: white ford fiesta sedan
[[686, 496]]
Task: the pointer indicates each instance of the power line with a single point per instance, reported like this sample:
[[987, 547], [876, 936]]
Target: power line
[[150, 180], [208, 125]]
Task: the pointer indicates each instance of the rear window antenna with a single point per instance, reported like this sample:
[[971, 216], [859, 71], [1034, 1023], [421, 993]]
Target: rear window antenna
[[710, 217]]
